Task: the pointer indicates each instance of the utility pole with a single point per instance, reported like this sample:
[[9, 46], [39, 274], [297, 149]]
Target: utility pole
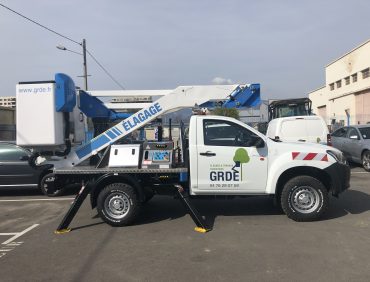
[[90, 124], [85, 65]]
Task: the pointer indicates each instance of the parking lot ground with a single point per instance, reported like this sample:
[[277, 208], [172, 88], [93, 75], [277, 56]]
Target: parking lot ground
[[251, 241]]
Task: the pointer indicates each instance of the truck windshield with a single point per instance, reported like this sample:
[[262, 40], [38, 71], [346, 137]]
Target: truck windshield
[[365, 132], [292, 110]]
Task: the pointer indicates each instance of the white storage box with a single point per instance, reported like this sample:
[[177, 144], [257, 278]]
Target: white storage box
[[124, 155], [38, 123]]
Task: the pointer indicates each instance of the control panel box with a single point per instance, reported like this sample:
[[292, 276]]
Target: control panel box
[[126, 155], [157, 155]]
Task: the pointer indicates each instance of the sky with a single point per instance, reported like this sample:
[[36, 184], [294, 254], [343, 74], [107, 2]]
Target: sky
[[283, 45]]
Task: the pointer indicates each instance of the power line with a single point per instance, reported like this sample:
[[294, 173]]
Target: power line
[[68, 38], [49, 29], [103, 68]]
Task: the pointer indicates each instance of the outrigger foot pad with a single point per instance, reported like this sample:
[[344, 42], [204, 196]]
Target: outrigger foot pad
[[201, 230], [62, 231]]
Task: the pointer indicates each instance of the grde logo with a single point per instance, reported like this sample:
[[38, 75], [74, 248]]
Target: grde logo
[[227, 172]]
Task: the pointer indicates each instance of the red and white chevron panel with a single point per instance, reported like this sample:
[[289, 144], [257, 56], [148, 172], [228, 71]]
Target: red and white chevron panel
[[299, 156]]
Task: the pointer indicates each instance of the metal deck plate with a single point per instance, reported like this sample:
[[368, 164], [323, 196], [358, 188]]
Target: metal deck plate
[[93, 170]]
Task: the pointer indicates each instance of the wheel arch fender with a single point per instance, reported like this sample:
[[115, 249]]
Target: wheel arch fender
[[110, 178], [289, 173]]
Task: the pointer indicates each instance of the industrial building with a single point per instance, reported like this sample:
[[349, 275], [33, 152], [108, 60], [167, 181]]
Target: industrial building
[[255, 114], [7, 124], [8, 102], [345, 97]]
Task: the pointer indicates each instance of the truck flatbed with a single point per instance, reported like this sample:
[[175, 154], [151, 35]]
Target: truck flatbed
[[94, 170]]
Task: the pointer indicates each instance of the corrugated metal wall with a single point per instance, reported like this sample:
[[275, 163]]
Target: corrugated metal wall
[[363, 107]]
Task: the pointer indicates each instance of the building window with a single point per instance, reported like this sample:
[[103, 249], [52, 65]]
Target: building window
[[339, 83], [365, 73], [354, 77], [346, 80], [331, 86]]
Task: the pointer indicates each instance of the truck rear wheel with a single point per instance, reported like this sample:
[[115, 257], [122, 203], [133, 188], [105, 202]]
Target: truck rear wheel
[[118, 204], [304, 198]]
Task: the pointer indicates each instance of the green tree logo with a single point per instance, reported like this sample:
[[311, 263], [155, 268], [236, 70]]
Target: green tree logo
[[241, 157]]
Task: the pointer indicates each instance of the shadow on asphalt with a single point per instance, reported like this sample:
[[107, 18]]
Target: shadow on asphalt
[[166, 208], [19, 191], [87, 225], [349, 202], [162, 208], [71, 190]]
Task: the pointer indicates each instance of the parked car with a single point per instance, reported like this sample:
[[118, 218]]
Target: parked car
[[354, 142], [15, 169]]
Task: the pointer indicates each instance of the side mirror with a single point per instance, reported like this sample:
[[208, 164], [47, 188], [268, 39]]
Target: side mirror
[[354, 137], [260, 143], [257, 142]]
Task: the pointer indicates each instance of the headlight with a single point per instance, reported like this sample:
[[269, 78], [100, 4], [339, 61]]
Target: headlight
[[338, 156]]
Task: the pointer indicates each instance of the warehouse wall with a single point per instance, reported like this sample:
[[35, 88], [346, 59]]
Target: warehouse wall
[[7, 124]]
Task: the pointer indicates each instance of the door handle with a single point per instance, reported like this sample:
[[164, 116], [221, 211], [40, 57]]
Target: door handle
[[208, 154]]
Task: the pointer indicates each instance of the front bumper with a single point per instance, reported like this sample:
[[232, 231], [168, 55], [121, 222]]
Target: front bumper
[[340, 175]]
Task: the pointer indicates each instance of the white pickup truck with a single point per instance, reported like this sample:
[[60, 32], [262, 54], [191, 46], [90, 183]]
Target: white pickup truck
[[225, 158]]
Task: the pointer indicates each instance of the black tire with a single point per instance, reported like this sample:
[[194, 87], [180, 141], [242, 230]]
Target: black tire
[[304, 198], [50, 187], [365, 160], [118, 204]]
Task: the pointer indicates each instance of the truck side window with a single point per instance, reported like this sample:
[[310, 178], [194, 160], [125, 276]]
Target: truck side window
[[225, 133]]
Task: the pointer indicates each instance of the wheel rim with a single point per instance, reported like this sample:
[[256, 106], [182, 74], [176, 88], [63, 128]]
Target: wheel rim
[[366, 161], [305, 199], [117, 205]]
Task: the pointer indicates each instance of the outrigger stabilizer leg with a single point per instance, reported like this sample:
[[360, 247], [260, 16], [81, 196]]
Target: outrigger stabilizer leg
[[75, 206], [198, 220]]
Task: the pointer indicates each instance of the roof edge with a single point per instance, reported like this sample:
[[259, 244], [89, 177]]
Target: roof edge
[[354, 49], [316, 89]]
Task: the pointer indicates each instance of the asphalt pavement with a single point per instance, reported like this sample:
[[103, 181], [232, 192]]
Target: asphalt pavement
[[251, 240]]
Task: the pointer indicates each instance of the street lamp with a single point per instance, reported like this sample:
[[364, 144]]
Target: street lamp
[[83, 44]]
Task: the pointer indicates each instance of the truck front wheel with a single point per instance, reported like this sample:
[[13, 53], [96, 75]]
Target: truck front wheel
[[118, 204], [304, 198]]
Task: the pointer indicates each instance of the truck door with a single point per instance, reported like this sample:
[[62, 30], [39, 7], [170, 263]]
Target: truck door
[[227, 161]]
